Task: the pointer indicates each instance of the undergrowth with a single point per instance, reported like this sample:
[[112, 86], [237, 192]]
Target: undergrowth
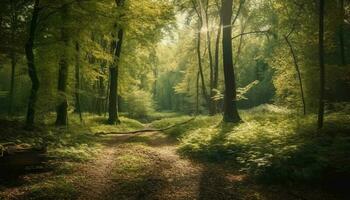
[[272, 143]]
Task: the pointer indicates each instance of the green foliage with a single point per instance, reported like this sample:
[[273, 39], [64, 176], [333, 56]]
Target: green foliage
[[138, 103], [272, 143], [58, 188]]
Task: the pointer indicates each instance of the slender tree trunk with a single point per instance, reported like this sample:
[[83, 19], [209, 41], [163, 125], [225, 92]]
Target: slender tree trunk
[[107, 97], [322, 68], [31, 66], [61, 110], [101, 88], [341, 34], [12, 82], [298, 72], [216, 64], [13, 56], [155, 74], [77, 82], [211, 65], [200, 67], [197, 93], [230, 107]]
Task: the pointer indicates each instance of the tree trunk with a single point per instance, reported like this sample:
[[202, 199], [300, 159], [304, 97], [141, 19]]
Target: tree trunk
[[197, 93], [13, 56], [31, 66], [211, 65], [216, 64], [341, 34], [230, 107], [61, 110], [200, 67], [322, 68], [77, 82], [101, 88], [12, 82], [298, 72], [113, 87]]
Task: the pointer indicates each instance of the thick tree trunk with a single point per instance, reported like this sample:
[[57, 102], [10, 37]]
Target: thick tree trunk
[[61, 110], [322, 68], [113, 117], [230, 107], [31, 66], [77, 82]]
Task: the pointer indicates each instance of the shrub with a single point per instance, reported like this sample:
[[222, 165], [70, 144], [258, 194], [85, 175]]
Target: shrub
[[138, 104]]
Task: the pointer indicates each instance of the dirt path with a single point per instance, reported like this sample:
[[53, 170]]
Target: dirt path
[[147, 166], [143, 166]]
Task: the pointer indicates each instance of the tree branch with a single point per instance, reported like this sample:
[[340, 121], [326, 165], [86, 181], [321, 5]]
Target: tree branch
[[251, 32], [146, 130]]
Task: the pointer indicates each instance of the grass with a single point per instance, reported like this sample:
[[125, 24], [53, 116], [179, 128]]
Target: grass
[[70, 146], [273, 143]]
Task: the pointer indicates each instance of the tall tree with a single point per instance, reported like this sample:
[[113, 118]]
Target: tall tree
[[62, 108], [77, 81], [31, 65], [199, 11], [230, 99], [113, 117], [341, 33], [321, 62]]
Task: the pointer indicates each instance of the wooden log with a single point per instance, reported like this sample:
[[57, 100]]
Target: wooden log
[[14, 156], [145, 130]]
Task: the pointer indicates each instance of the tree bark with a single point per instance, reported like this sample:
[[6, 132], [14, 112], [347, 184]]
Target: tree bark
[[61, 110], [113, 117], [230, 106], [12, 82], [31, 66], [200, 67], [77, 82], [13, 56], [321, 62], [100, 100], [216, 62], [341, 34], [211, 64]]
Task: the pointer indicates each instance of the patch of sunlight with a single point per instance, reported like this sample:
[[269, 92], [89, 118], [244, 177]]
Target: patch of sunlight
[[132, 164]]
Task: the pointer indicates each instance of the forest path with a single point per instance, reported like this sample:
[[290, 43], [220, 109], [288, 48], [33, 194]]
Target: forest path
[[147, 166]]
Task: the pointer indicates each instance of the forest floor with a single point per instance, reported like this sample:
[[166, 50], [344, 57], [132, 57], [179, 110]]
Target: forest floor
[[147, 166]]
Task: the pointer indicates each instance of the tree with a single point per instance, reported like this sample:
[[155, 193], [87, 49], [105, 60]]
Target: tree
[[230, 106], [113, 117], [321, 63], [31, 65], [61, 110]]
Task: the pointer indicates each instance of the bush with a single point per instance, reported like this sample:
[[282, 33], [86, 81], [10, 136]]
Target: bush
[[138, 104], [272, 143]]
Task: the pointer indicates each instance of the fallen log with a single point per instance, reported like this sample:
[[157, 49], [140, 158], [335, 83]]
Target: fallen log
[[15, 157], [145, 130]]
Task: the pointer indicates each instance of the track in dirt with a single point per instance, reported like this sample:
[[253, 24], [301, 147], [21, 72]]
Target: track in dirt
[[148, 166]]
